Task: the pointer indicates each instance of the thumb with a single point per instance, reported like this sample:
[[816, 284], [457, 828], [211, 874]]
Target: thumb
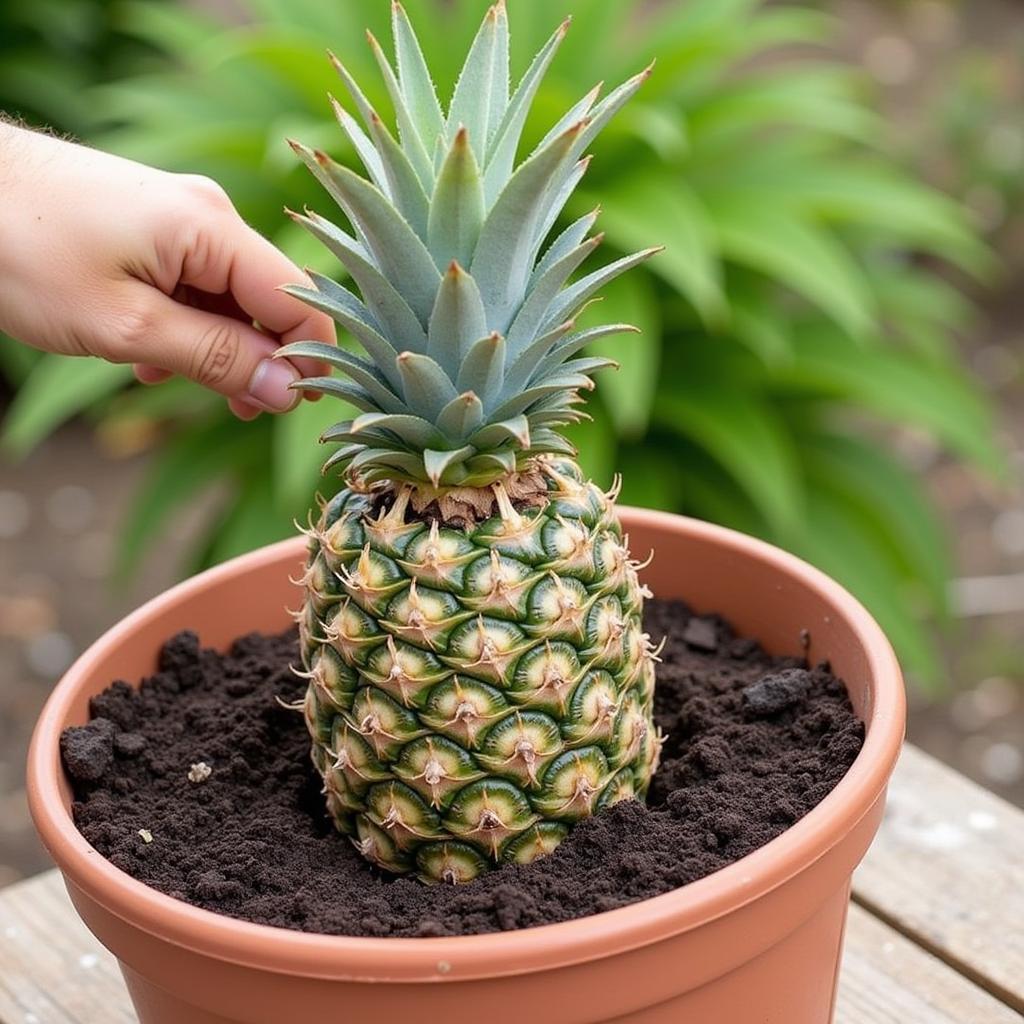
[[219, 352]]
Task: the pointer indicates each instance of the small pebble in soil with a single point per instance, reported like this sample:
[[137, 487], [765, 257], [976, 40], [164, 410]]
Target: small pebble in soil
[[752, 743], [701, 634], [774, 693]]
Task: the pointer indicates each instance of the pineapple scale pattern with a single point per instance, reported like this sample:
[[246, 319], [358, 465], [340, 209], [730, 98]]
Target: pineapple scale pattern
[[472, 694]]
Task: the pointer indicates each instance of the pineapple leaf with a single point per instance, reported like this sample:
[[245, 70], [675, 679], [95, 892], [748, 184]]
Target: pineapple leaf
[[542, 294], [326, 298], [389, 308], [501, 264], [362, 372], [609, 107], [363, 105], [425, 386], [571, 237], [414, 77], [554, 203], [551, 441], [553, 360], [396, 248], [504, 462], [346, 390], [481, 93], [483, 369], [363, 146], [461, 416], [342, 457], [413, 430], [457, 321], [403, 184], [457, 208], [526, 361], [588, 365], [406, 462], [502, 153], [516, 429], [437, 463], [340, 431], [415, 146], [573, 297], [521, 401], [579, 112]]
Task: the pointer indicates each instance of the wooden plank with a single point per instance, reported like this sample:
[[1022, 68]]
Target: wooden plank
[[52, 971], [947, 871], [887, 979]]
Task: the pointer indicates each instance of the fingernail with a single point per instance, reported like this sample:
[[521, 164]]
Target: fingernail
[[268, 387]]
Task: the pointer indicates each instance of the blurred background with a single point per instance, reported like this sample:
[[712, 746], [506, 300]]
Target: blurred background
[[833, 341]]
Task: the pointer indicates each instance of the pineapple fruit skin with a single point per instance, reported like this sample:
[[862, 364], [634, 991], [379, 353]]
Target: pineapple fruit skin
[[474, 691]]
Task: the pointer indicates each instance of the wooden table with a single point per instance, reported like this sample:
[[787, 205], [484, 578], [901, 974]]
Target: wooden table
[[935, 936]]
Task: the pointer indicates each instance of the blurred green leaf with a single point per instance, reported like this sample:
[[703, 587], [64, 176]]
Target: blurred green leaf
[[799, 253], [820, 98], [864, 193], [177, 27], [865, 477], [187, 464], [652, 480], [838, 539], [653, 209], [56, 389], [249, 522], [747, 438], [597, 446], [900, 387], [297, 456], [174, 400], [629, 390], [16, 361]]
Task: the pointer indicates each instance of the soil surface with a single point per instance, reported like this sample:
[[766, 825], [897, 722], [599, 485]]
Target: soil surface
[[752, 744]]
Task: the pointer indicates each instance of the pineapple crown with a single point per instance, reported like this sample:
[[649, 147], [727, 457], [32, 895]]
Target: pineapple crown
[[472, 353]]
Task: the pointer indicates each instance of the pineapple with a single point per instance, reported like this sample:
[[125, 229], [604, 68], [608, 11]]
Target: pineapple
[[479, 678]]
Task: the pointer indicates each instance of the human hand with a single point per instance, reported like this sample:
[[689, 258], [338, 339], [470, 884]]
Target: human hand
[[106, 257]]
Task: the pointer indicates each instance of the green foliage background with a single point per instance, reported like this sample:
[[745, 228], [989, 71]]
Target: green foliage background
[[795, 322]]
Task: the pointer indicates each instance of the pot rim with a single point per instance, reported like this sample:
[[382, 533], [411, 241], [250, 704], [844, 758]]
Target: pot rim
[[494, 954]]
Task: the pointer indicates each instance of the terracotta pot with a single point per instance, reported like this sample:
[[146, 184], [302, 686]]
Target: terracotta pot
[[758, 941]]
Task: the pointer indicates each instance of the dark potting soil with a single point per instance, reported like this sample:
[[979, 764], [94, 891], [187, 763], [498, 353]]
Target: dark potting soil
[[752, 744]]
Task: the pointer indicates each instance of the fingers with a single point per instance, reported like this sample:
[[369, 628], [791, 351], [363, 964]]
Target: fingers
[[242, 263], [219, 352], [151, 374], [213, 282], [242, 409]]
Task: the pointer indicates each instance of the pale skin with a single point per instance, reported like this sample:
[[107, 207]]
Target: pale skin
[[101, 256]]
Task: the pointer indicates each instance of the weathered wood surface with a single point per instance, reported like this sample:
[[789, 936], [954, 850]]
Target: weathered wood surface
[[936, 937], [52, 971], [887, 979], [947, 871]]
